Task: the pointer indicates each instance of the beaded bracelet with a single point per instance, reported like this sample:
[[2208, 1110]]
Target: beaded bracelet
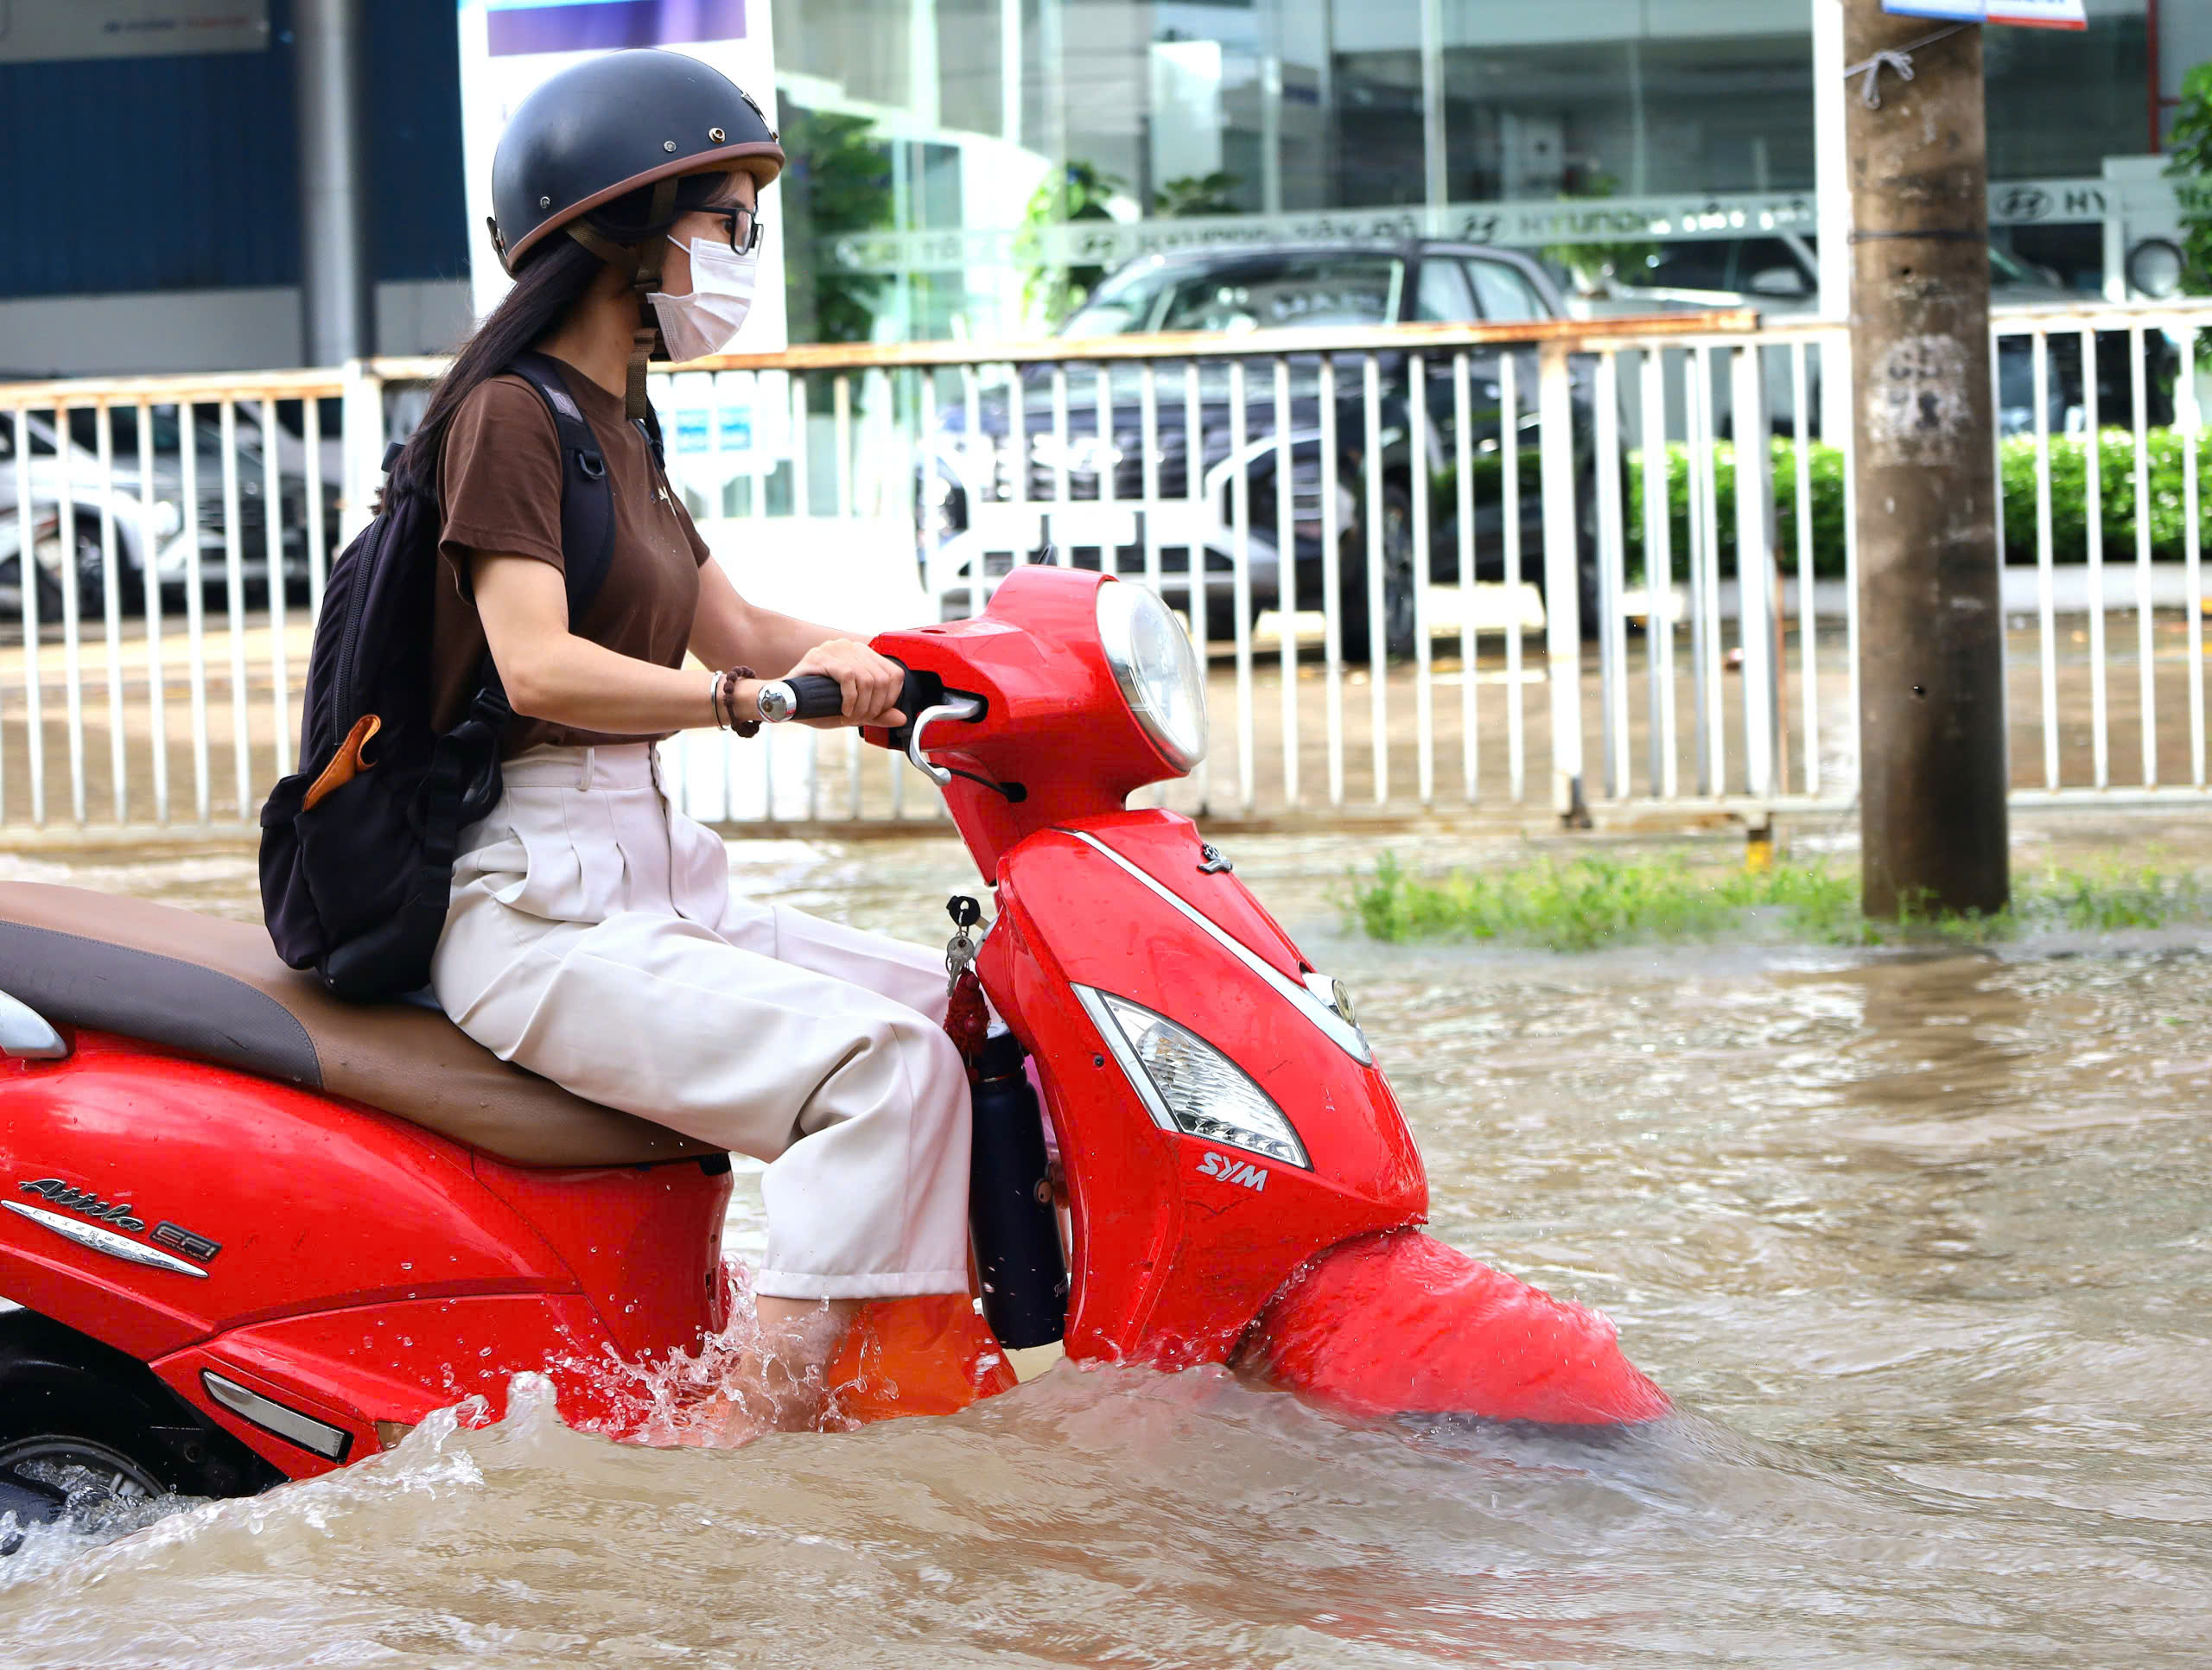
[[726, 699]]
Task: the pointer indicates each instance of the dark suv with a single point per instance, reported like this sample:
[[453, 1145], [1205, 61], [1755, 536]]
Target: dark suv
[[966, 512]]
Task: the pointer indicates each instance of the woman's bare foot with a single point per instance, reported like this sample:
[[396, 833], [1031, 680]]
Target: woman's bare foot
[[781, 1384]]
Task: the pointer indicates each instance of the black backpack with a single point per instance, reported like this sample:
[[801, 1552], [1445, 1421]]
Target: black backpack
[[357, 846]]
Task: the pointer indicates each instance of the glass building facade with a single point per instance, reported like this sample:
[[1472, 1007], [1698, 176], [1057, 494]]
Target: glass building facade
[[974, 111]]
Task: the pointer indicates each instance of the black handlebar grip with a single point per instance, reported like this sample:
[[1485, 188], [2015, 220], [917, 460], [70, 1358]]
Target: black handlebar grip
[[818, 696]]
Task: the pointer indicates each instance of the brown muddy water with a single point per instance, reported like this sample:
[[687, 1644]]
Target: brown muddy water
[[1919, 1240]]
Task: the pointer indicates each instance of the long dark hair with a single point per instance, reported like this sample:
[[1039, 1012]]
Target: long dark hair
[[559, 273]]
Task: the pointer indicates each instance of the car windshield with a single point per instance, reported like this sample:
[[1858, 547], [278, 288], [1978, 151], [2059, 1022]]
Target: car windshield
[[1252, 293]]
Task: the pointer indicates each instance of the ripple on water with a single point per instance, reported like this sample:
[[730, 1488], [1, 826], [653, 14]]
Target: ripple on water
[[1093, 1517]]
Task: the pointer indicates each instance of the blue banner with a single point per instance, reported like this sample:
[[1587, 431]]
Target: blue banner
[[532, 26]]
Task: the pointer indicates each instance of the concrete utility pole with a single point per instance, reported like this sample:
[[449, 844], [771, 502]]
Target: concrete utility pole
[[1931, 632], [337, 299]]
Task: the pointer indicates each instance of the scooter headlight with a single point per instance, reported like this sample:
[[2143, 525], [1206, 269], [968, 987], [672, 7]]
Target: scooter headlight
[[1190, 1086], [1158, 671]]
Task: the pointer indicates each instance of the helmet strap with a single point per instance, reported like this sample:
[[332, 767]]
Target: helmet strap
[[643, 282], [642, 266]]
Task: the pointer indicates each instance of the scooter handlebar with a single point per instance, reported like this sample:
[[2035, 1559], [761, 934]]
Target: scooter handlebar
[[818, 696]]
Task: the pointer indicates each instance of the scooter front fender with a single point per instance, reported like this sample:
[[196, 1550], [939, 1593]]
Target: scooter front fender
[[1399, 1323]]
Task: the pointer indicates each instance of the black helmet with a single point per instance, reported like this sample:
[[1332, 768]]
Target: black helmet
[[610, 125]]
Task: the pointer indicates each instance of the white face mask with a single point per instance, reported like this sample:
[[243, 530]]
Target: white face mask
[[703, 322]]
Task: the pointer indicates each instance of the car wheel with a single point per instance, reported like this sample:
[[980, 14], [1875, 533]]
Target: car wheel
[[1398, 623], [49, 590], [92, 574], [1589, 592]]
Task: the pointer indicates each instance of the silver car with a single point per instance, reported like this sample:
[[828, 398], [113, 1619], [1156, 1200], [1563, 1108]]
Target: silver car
[[148, 540]]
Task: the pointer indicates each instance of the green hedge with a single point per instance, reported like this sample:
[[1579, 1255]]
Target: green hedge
[[2068, 500]]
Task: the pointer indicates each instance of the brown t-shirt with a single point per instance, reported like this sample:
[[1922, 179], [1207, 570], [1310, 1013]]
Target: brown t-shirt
[[500, 483]]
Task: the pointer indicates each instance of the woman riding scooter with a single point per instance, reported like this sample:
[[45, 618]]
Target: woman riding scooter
[[593, 936]]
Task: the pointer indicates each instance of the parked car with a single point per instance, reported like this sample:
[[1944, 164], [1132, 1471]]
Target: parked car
[[146, 540], [1779, 274], [967, 514]]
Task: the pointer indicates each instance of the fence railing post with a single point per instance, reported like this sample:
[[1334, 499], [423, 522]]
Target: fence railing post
[[1562, 579], [1760, 622], [361, 413]]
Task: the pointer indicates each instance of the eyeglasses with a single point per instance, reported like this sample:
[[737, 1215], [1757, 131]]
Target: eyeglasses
[[744, 225]]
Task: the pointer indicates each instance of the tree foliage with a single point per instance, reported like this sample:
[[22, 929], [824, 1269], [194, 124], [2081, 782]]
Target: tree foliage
[[838, 183], [1079, 192], [2191, 150], [1196, 193], [1591, 264]]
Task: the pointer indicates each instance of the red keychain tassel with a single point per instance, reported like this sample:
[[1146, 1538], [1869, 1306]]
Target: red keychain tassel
[[966, 1019]]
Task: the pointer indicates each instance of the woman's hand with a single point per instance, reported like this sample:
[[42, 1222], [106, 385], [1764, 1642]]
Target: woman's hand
[[870, 683]]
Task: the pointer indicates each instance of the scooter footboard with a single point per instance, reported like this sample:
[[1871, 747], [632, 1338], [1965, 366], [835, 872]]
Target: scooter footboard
[[1399, 1323]]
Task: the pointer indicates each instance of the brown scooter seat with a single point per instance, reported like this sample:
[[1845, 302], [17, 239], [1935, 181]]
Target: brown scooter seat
[[215, 989]]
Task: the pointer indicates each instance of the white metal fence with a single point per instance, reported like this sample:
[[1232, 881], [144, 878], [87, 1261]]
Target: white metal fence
[[1524, 567]]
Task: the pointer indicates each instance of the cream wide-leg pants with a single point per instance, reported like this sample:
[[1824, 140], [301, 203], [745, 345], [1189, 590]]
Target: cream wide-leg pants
[[593, 939]]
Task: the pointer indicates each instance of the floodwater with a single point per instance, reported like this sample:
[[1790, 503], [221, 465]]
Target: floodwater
[[1919, 1241]]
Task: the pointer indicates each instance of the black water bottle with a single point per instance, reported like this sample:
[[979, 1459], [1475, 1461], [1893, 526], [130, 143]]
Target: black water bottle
[[1010, 1205]]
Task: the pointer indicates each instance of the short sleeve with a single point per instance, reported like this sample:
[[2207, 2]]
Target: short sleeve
[[499, 479], [700, 554]]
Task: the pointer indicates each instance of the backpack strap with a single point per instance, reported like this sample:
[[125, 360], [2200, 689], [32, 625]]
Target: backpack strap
[[586, 501]]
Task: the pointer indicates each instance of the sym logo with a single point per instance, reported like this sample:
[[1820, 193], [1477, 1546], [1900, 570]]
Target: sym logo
[[1230, 1170]]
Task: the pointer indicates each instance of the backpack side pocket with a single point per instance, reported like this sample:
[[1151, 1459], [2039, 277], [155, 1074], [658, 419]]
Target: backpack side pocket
[[287, 904]]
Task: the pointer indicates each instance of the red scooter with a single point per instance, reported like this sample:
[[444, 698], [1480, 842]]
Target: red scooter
[[252, 1233]]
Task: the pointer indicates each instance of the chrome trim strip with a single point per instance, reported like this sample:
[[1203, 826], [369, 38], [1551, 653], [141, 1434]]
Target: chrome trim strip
[[25, 1034], [104, 1241], [323, 1439], [1331, 1026]]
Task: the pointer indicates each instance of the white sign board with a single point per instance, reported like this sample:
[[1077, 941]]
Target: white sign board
[[2029, 14], [508, 47], [720, 426], [1523, 226], [34, 31]]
